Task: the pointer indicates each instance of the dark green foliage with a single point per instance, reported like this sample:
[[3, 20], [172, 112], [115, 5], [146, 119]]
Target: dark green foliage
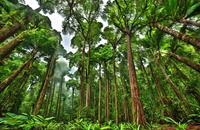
[[28, 122]]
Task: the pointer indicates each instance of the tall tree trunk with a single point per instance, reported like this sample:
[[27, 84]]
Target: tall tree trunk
[[82, 70], [181, 97], [73, 98], [162, 95], [88, 89], [115, 88], [186, 61], [6, 50], [107, 93], [125, 100], [21, 88], [49, 91], [173, 86], [45, 84], [59, 99], [146, 77], [51, 94], [157, 85], [14, 74], [99, 101], [95, 106], [6, 32], [181, 36], [138, 112], [50, 113], [189, 22]]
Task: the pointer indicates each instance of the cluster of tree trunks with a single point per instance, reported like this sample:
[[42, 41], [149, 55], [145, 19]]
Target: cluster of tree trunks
[[45, 84], [14, 74]]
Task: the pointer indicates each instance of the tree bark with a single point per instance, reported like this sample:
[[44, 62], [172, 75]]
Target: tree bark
[[186, 61], [14, 74], [49, 93], [44, 87], [59, 99], [107, 93], [138, 112], [146, 78], [181, 36], [99, 101], [82, 67], [73, 98], [189, 22], [6, 32], [115, 88], [172, 85], [88, 89], [6, 50], [125, 101], [18, 90], [49, 113], [157, 85]]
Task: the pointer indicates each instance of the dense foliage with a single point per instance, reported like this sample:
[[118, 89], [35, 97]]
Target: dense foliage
[[135, 65]]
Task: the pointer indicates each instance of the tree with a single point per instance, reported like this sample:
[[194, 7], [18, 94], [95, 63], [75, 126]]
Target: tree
[[119, 14], [8, 80], [45, 84]]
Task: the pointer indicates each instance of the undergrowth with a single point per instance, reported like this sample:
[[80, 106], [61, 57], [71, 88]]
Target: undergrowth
[[31, 122]]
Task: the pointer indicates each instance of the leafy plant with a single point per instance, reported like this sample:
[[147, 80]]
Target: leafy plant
[[179, 126], [27, 122]]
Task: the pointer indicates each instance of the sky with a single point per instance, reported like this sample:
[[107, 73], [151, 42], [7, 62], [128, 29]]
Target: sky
[[56, 23]]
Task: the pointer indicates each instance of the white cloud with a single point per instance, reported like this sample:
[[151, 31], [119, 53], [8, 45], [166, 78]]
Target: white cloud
[[56, 20], [32, 3], [66, 43]]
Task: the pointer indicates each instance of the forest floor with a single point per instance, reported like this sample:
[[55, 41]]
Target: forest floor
[[195, 126]]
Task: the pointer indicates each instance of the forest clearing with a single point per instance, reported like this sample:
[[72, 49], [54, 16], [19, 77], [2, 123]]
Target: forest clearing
[[99, 65]]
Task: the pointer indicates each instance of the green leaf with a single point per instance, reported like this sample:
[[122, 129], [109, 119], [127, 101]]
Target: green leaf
[[192, 10]]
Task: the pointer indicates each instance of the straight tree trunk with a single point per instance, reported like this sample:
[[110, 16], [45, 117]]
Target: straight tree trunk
[[6, 32], [125, 101], [73, 98], [107, 93], [146, 77], [82, 79], [6, 50], [138, 112], [186, 61], [115, 89], [95, 106], [49, 113], [181, 36], [59, 99], [14, 74], [99, 101], [162, 95], [88, 89], [49, 91], [45, 84], [157, 85], [51, 94]]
